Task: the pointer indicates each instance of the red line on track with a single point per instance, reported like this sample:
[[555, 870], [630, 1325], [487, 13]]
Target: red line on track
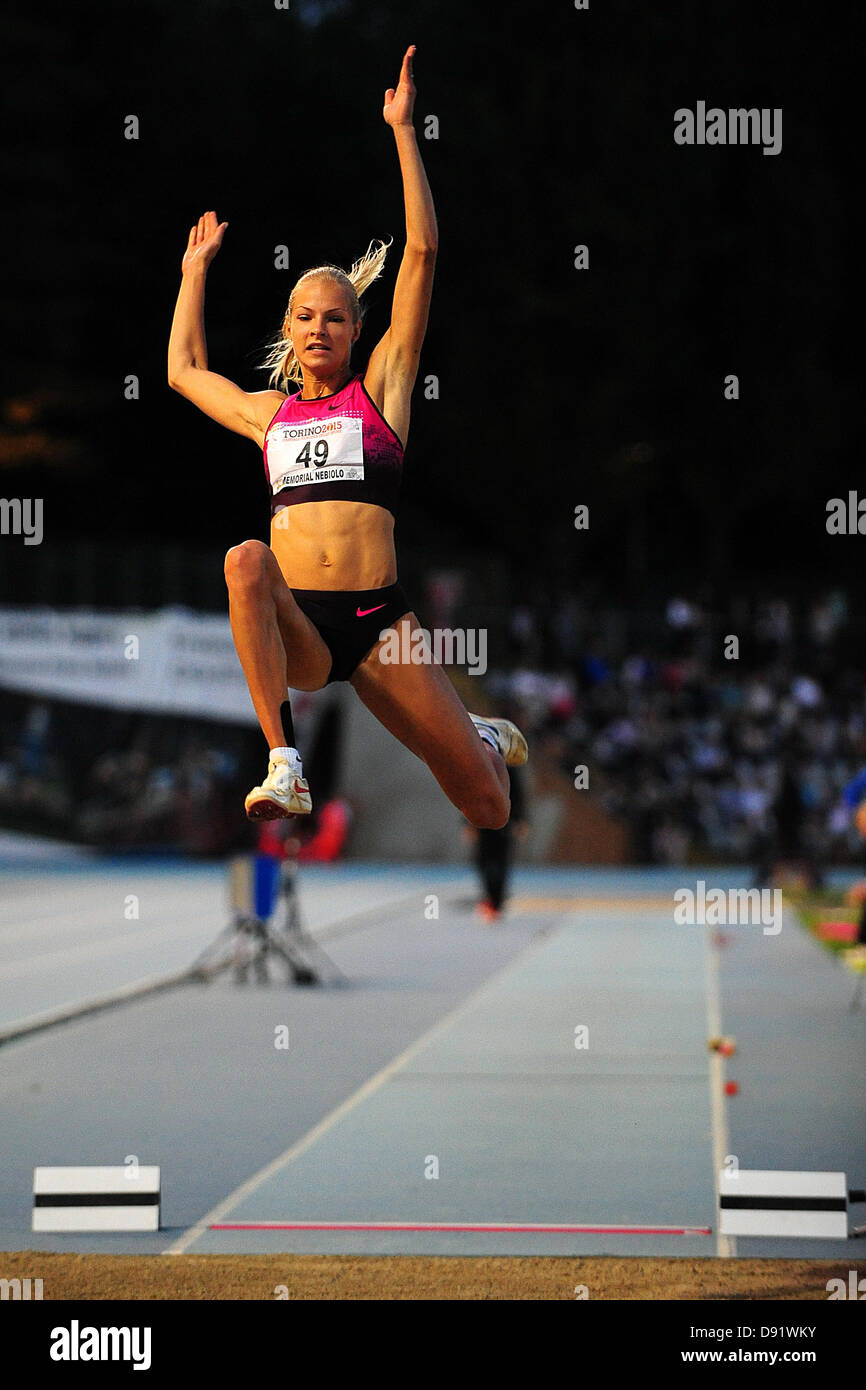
[[528, 1228]]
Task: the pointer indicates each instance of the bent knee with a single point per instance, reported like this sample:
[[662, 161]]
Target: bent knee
[[489, 813], [247, 564]]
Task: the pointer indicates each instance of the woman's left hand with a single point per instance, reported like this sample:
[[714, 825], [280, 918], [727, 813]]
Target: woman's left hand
[[398, 104]]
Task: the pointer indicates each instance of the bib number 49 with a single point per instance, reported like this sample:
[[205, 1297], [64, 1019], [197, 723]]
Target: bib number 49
[[317, 457]]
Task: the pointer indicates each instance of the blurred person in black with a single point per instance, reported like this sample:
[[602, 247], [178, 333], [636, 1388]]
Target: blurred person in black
[[786, 836], [494, 851]]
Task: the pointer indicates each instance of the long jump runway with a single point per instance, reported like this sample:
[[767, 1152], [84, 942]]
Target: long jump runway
[[526, 1088]]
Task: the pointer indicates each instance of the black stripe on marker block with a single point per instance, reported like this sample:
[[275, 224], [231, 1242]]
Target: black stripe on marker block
[[96, 1199], [783, 1204]]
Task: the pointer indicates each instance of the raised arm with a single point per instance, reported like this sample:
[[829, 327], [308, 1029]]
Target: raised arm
[[245, 412], [393, 364]]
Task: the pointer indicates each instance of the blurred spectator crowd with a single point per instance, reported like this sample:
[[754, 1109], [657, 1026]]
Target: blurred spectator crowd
[[166, 784], [712, 730], [703, 746]]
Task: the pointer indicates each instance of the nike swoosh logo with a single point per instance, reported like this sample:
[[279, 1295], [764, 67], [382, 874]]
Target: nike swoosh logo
[[362, 612], [302, 790], [333, 407]]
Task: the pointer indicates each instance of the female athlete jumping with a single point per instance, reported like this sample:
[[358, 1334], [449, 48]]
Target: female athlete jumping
[[320, 602]]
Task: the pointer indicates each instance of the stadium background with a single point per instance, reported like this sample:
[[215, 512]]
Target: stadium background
[[555, 388]]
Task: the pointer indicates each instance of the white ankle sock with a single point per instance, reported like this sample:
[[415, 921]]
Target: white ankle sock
[[290, 754]]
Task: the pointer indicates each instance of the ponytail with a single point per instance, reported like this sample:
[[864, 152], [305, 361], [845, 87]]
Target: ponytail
[[281, 364]]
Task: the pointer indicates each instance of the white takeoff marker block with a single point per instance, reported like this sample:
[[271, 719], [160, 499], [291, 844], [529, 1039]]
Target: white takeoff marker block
[[96, 1199], [798, 1205]]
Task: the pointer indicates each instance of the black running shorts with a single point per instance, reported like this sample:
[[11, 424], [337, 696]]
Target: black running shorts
[[350, 621]]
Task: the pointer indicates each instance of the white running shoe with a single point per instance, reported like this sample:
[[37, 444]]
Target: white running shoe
[[283, 793], [509, 739]]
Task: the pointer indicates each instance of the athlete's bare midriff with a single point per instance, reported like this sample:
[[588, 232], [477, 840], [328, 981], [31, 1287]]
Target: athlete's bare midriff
[[335, 545]]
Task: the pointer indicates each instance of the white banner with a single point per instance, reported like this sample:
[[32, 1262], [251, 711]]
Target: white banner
[[169, 662]]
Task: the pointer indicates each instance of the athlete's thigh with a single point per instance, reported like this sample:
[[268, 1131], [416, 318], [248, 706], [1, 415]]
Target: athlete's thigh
[[418, 704], [308, 660]]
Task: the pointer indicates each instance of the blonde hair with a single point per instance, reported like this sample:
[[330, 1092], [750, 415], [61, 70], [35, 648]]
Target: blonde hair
[[281, 362]]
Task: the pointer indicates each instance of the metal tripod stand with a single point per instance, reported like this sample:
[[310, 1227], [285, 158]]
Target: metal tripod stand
[[266, 924]]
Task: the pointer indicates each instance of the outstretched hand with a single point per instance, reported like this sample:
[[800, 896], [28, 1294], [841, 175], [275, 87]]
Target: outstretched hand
[[399, 103], [205, 239]]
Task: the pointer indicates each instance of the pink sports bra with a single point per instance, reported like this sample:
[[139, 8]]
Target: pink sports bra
[[334, 447]]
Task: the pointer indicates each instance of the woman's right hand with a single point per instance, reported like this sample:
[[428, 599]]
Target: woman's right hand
[[205, 239]]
